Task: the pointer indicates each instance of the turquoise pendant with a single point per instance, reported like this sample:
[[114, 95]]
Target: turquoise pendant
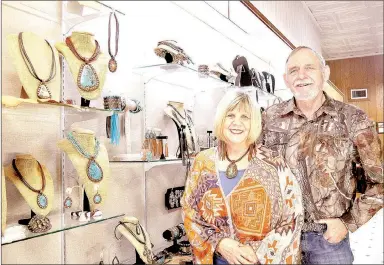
[[97, 198], [87, 79], [68, 202], [42, 201], [94, 171]]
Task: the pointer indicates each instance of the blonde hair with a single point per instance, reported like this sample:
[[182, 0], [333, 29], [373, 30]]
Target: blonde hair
[[229, 102]]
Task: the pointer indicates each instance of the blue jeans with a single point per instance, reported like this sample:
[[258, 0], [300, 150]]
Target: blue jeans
[[317, 250], [219, 260]]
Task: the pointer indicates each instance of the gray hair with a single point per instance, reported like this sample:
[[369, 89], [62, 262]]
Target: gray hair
[[318, 55]]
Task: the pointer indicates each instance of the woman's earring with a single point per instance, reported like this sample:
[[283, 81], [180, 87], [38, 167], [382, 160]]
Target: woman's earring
[[68, 200]]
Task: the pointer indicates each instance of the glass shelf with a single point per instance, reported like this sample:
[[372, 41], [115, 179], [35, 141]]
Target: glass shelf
[[57, 227], [78, 12], [179, 75], [14, 102], [150, 164]]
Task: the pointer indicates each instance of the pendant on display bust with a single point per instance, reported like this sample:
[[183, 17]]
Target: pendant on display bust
[[43, 91], [112, 65], [94, 171], [87, 78], [42, 201]]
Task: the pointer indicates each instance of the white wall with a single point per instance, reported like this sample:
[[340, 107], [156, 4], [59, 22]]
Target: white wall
[[293, 20]]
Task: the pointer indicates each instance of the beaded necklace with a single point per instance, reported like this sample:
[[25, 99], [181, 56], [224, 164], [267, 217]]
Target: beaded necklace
[[94, 171]]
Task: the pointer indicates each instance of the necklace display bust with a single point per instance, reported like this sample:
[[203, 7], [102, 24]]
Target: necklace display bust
[[175, 110], [132, 230], [30, 171], [40, 55], [85, 45], [87, 141]]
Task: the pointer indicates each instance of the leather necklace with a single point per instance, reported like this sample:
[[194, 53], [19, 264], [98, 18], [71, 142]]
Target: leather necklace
[[232, 171], [42, 200], [87, 79], [188, 120], [43, 91], [112, 64]]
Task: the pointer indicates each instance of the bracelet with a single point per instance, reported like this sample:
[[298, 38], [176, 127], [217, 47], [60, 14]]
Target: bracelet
[[185, 247], [138, 107]]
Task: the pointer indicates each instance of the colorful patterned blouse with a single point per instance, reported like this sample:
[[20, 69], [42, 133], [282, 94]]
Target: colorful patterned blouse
[[264, 210]]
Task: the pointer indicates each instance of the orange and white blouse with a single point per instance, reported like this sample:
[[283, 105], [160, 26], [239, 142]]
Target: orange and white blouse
[[264, 209]]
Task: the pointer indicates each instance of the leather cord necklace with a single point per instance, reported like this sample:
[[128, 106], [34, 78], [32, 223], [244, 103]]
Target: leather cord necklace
[[112, 64], [188, 121], [43, 91], [232, 171], [87, 79], [139, 230], [42, 200]]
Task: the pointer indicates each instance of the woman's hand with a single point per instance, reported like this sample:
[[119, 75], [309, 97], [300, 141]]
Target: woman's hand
[[235, 252]]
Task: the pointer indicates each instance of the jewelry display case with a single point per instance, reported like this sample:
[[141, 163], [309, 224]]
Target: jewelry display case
[[136, 187]]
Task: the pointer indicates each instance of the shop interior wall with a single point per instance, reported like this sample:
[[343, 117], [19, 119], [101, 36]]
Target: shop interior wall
[[205, 33], [362, 72]]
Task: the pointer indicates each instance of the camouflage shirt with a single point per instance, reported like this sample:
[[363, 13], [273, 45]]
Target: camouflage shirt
[[320, 153]]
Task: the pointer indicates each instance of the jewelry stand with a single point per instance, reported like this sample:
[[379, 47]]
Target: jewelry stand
[[86, 206], [138, 259], [26, 221], [179, 133], [174, 248], [85, 102]]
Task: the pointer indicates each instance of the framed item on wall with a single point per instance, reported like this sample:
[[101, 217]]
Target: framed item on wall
[[380, 127]]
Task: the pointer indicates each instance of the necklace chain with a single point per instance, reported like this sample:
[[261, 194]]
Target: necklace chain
[[29, 64], [235, 161], [78, 147], [116, 35], [82, 58], [20, 176], [133, 234]]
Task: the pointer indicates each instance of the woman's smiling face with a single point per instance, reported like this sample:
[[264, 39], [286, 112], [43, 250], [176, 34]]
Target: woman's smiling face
[[237, 124]]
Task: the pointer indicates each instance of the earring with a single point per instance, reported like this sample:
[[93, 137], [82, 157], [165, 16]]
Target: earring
[[115, 260], [68, 200], [97, 197]]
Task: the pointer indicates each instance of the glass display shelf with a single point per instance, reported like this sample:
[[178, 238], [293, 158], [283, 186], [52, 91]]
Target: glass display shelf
[[150, 164], [179, 75], [78, 12], [56, 227], [10, 102]]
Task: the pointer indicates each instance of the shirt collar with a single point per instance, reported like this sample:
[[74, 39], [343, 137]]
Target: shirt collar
[[328, 107]]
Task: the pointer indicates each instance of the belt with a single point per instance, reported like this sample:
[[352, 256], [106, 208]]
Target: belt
[[314, 227]]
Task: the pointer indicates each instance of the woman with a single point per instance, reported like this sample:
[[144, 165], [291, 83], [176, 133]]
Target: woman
[[241, 204]]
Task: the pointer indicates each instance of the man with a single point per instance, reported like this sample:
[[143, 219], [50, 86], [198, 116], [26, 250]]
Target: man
[[320, 137]]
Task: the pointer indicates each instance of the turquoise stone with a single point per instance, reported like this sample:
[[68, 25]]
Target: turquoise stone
[[94, 171], [68, 203], [97, 198], [42, 201], [88, 77]]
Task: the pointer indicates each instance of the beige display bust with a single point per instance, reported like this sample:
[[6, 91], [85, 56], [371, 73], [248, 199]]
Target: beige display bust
[[179, 106], [40, 56], [30, 170], [85, 45], [144, 250], [86, 139]]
